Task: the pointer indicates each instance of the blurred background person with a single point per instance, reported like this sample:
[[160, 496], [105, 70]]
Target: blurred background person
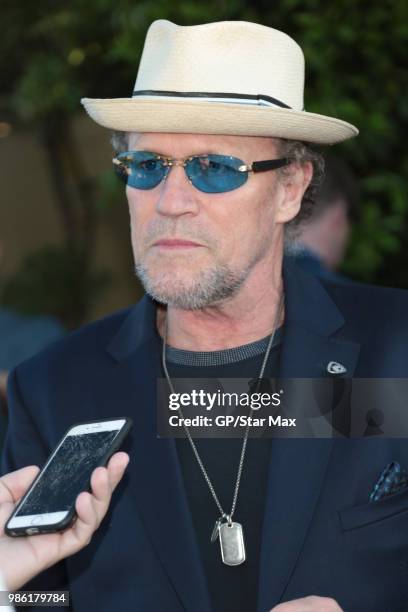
[[21, 337], [323, 238]]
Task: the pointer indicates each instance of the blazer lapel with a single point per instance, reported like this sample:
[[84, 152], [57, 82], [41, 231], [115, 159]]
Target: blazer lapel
[[155, 480], [298, 466]]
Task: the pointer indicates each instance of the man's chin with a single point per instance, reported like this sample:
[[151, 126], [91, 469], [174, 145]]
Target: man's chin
[[188, 289], [177, 297]]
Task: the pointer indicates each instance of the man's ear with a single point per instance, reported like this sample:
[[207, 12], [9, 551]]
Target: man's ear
[[294, 184]]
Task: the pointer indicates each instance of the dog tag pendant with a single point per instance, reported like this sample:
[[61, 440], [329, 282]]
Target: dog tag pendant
[[232, 543]]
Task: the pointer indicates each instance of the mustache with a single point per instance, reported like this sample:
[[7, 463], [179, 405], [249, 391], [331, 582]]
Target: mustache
[[163, 229]]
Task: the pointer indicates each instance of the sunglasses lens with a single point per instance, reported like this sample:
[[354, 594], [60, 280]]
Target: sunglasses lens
[[216, 173], [140, 169]]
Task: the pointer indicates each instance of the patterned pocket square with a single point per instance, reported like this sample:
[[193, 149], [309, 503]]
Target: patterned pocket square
[[393, 479]]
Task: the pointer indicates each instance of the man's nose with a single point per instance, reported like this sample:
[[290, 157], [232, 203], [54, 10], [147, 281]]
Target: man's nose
[[176, 195]]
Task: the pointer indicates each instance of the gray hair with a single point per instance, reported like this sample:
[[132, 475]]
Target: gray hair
[[301, 153], [297, 151]]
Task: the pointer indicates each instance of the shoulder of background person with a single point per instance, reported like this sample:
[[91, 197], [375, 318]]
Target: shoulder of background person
[[23, 336], [76, 350], [15, 321]]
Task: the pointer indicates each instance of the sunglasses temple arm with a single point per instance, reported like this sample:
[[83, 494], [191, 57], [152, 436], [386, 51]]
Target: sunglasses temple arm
[[270, 164]]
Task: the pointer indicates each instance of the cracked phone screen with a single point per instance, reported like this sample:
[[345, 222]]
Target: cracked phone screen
[[68, 474]]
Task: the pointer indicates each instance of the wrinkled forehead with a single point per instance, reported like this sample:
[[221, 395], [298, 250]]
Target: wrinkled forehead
[[179, 145]]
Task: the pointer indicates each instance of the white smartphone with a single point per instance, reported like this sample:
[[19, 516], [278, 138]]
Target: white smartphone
[[49, 504]]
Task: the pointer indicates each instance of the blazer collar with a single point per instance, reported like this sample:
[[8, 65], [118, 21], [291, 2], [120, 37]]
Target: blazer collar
[[316, 331], [307, 305], [137, 330]]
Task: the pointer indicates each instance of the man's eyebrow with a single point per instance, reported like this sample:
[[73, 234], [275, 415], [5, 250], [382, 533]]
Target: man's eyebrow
[[209, 151]]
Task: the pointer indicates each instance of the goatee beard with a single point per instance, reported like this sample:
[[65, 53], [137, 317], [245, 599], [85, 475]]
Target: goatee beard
[[208, 287]]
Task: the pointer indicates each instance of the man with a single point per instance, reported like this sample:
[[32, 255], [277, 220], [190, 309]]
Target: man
[[208, 237], [323, 238]]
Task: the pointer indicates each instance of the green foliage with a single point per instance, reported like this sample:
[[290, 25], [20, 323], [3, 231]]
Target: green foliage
[[53, 281], [53, 53]]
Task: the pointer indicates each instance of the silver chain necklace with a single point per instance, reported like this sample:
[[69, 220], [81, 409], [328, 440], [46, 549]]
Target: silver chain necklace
[[230, 533]]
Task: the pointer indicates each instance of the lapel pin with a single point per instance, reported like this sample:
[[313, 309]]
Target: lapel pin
[[333, 367]]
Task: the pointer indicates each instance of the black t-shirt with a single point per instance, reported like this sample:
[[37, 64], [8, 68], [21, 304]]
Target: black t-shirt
[[231, 588]]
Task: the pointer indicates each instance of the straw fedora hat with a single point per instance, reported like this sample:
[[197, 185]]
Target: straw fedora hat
[[228, 77]]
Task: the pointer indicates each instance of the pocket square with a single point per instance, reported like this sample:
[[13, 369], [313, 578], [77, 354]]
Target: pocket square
[[393, 479]]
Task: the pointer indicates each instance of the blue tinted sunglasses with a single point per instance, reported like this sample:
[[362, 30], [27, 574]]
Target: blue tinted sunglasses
[[209, 173]]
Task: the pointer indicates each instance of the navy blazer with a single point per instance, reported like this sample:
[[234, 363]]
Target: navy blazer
[[320, 534]]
